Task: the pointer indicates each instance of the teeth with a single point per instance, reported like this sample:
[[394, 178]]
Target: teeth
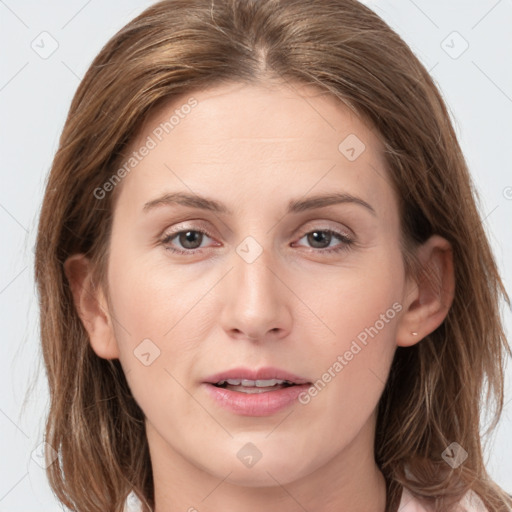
[[268, 383], [253, 383], [251, 391]]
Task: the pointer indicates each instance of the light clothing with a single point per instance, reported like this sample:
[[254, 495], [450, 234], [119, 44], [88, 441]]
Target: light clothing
[[470, 503], [132, 504]]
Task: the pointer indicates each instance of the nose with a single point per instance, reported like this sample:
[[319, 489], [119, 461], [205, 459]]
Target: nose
[[256, 302]]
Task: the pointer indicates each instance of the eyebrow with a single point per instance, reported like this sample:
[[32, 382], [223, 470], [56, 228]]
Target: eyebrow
[[294, 206]]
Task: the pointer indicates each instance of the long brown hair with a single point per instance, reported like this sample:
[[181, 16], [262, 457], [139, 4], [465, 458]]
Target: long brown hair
[[436, 388]]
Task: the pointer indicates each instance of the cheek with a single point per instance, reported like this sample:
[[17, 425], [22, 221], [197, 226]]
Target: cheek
[[152, 305], [359, 310], [352, 300], [153, 330], [152, 300]]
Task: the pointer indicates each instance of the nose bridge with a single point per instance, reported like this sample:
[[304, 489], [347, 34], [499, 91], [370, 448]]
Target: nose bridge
[[253, 278], [256, 301]]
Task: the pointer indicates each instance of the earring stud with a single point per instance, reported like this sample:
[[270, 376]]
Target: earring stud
[[414, 333]]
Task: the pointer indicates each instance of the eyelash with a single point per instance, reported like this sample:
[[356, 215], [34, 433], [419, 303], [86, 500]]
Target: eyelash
[[346, 245]]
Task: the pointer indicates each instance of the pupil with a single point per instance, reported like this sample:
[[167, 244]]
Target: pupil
[[315, 235], [188, 239]]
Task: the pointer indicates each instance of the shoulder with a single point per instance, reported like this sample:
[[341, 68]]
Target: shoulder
[[469, 503]]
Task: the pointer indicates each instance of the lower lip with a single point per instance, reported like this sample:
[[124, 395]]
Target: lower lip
[[256, 404]]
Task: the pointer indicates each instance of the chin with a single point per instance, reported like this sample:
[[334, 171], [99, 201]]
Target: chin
[[263, 477], [273, 468]]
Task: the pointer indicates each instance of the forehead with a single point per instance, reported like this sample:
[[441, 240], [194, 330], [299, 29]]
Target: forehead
[[260, 136], [271, 113]]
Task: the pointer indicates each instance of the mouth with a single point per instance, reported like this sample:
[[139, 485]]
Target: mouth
[[260, 392], [246, 380], [253, 386]]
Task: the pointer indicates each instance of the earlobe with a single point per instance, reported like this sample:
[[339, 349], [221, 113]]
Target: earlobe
[[429, 296], [91, 306]]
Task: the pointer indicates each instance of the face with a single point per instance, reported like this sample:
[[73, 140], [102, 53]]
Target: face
[[278, 268]]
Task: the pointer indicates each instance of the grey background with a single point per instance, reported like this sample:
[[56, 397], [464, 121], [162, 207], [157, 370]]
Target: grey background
[[35, 93]]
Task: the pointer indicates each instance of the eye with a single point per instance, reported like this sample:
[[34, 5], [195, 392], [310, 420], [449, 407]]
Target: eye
[[321, 239], [190, 240]]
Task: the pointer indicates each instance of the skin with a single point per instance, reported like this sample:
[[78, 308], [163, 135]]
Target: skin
[[295, 307]]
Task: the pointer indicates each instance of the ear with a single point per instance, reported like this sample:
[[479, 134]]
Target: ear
[[91, 305], [429, 295]]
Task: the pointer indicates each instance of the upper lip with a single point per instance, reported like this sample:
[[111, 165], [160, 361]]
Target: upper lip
[[265, 373]]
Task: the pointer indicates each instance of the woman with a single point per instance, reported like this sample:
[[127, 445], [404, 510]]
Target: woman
[[263, 278]]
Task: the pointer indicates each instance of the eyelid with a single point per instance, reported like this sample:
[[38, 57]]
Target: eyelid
[[323, 225], [187, 225]]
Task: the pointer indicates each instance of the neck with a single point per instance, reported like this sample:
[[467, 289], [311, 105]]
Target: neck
[[350, 481]]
